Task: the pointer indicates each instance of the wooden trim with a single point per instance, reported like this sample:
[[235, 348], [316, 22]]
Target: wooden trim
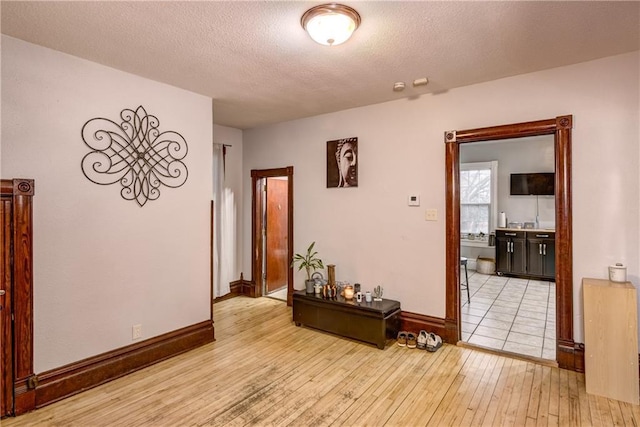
[[235, 290], [239, 287], [249, 288], [414, 322], [452, 231], [71, 379], [564, 245], [256, 227], [211, 249], [290, 288], [23, 278], [6, 368], [256, 221], [21, 192], [567, 352], [24, 398], [570, 355], [514, 130], [579, 357]]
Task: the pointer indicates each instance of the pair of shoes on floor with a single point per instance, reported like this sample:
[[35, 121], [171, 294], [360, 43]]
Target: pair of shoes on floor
[[402, 339], [407, 339], [429, 341], [434, 342], [422, 340]]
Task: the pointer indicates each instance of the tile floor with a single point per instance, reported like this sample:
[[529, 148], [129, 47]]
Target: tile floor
[[510, 314]]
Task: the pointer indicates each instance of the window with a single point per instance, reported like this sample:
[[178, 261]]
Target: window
[[478, 188]]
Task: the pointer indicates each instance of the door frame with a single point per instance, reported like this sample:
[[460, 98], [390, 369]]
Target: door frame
[[256, 227], [569, 355], [19, 297]]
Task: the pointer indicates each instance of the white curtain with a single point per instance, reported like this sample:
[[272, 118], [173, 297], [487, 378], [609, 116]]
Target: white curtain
[[224, 227]]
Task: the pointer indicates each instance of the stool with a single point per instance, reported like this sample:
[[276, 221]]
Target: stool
[[463, 261]]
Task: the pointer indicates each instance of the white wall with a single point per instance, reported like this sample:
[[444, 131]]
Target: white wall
[[101, 263], [521, 155], [372, 235]]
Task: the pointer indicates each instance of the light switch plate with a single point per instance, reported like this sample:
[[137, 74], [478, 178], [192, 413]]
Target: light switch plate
[[431, 215]]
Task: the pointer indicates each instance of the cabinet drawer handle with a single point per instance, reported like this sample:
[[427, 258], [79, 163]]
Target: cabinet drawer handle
[[510, 234], [542, 235]]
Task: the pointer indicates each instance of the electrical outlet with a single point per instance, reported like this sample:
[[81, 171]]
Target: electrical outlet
[[431, 215], [136, 332]]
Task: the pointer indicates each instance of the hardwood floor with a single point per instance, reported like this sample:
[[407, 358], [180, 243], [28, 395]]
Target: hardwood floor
[[262, 370]]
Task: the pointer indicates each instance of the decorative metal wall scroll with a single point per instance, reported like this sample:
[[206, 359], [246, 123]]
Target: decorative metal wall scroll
[[135, 154]]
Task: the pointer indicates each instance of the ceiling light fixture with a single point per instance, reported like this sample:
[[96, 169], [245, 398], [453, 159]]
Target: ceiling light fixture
[[330, 24]]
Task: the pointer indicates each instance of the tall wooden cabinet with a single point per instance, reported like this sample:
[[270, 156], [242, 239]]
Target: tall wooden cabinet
[[611, 339]]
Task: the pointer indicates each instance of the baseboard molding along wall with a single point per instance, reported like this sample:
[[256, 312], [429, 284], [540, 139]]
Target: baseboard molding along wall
[[74, 378]]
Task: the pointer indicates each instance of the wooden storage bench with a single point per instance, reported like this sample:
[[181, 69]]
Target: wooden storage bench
[[373, 322]]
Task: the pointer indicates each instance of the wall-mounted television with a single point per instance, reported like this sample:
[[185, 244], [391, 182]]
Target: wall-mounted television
[[536, 184]]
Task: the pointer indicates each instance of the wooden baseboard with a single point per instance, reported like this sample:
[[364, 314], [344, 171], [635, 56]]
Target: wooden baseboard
[[71, 379], [249, 288], [414, 322], [24, 398], [570, 355], [235, 289], [239, 287], [579, 357]]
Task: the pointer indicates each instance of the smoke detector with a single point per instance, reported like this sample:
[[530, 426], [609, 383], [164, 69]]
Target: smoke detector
[[398, 86]]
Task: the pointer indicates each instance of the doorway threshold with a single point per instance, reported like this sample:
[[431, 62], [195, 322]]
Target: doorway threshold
[[538, 360]]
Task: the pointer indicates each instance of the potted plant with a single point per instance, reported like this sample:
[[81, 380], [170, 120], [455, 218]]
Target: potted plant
[[310, 262]]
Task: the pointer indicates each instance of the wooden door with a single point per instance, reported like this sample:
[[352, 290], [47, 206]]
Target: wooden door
[[258, 244], [276, 248], [6, 380]]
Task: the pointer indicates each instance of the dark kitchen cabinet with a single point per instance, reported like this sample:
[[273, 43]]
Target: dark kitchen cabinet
[[541, 254], [526, 253], [511, 252]]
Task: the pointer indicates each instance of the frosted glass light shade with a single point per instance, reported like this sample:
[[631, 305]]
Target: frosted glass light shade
[[330, 24]]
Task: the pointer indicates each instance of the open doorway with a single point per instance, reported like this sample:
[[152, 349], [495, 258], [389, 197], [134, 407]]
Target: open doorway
[[275, 261], [569, 355], [273, 232], [507, 273]]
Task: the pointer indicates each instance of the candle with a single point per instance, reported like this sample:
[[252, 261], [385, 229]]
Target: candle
[[348, 292]]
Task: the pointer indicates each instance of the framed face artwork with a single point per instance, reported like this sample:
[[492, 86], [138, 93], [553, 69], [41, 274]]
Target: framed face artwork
[[342, 163]]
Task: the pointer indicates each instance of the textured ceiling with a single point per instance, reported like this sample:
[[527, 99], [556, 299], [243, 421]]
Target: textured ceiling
[[260, 67]]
